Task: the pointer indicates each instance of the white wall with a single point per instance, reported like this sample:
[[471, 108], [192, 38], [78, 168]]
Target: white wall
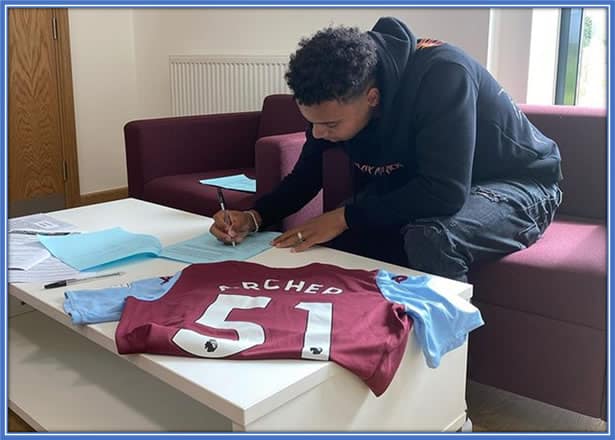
[[509, 49], [120, 60], [104, 86], [160, 33], [543, 56]]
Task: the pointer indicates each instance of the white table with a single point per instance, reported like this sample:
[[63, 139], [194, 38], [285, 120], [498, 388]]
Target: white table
[[63, 377]]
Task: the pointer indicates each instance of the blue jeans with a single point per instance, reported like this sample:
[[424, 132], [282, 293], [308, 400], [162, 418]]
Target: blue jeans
[[498, 218]]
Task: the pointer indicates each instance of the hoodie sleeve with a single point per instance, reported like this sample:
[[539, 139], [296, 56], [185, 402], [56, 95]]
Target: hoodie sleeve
[[297, 188], [445, 139]]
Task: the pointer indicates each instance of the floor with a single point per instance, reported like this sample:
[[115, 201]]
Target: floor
[[16, 424], [494, 410], [491, 410]]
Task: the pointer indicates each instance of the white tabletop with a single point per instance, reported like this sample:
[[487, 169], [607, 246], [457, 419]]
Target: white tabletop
[[242, 391]]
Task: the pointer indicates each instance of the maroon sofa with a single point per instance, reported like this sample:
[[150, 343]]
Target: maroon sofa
[[167, 157], [544, 307]]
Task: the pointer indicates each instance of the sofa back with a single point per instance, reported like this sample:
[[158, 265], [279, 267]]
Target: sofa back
[[580, 133], [581, 136], [280, 115]]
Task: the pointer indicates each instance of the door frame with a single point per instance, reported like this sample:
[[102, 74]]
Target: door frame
[[72, 193]]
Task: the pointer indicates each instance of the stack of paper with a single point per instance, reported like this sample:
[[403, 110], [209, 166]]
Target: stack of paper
[[29, 260], [48, 271], [25, 251], [40, 224]]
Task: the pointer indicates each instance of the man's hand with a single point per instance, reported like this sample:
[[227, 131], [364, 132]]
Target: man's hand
[[320, 229], [239, 225]]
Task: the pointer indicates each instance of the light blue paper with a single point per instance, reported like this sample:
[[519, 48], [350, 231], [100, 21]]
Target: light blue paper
[[238, 182], [88, 250], [208, 249]]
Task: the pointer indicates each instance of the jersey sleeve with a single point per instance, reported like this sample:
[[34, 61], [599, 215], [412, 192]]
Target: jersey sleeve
[[441, 322], [103, 305]]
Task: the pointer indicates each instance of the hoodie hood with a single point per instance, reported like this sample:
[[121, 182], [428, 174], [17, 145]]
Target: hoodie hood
[[396, 47]]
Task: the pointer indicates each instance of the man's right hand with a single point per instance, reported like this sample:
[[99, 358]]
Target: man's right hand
[[239, 225]]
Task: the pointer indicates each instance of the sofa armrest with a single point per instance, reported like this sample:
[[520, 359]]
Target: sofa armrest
[[188, 144], [275, 157]]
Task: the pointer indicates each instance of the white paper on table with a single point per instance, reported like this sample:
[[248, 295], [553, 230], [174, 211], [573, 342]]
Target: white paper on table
[[48, 271], [39, 223], [25, 251]]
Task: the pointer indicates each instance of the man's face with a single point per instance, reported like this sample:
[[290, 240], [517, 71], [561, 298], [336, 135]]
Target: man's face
[[337, 121]]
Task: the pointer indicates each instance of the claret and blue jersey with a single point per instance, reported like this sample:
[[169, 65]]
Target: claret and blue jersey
[[239, 310]]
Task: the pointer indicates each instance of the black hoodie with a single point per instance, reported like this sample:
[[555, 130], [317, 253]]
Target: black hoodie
[[444, 124]]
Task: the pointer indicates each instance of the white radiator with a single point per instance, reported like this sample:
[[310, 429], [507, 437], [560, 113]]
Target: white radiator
[[221, 84]]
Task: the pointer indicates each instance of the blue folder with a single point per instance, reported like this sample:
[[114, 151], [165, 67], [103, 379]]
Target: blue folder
[[88, 250], [115, 246]]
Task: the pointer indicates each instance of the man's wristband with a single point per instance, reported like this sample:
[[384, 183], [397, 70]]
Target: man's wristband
[[253, 220]]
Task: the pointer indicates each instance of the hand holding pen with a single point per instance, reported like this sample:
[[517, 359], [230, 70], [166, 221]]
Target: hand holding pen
[[223, 208], [242, 225]]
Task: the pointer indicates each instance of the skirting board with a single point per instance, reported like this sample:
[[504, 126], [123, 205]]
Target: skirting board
[[104, 196]]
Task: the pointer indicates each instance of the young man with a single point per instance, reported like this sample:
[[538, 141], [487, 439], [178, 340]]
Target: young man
[[444, 161]]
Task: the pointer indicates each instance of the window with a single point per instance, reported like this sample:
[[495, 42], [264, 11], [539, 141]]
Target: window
[[582, 58], [591, 86], [568, 57]]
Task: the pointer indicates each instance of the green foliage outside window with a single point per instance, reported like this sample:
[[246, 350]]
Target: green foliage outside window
[[587, 30]]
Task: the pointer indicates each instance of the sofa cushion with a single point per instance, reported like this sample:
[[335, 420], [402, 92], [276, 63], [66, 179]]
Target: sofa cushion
[[184, 192], [562, 276]]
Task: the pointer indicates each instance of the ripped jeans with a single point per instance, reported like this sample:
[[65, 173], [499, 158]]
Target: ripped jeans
[[498, 218]]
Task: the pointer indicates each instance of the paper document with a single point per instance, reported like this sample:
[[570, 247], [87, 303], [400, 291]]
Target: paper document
[[48, 271], [84, 251], [208, 249], [39, 223], [25, 251], [238, 182]]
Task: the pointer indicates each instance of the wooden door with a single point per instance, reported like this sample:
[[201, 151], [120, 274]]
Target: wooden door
[[42, 159]]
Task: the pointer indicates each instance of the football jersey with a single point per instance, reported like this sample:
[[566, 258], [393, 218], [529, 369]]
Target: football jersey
[[242, 310]]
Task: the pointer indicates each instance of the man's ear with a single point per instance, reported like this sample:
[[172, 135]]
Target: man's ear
[[373, 97]]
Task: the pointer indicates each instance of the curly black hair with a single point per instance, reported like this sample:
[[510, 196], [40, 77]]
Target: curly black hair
[[335, 63]]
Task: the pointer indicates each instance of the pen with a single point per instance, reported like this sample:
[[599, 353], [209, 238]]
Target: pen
[[70, 281], [223, 208], [26, 232]]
